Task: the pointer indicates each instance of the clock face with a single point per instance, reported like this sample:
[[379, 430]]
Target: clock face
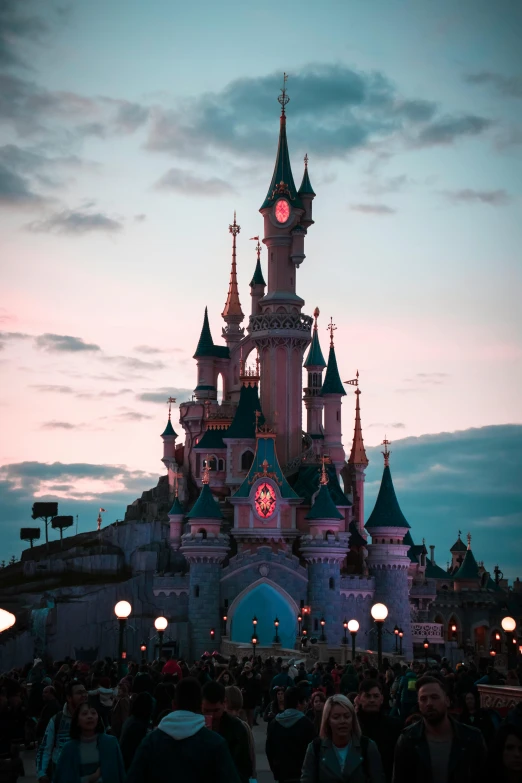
[[265, 500], [282, 210]]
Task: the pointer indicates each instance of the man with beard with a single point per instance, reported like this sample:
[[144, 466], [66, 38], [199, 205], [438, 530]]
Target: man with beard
[[437, 749]]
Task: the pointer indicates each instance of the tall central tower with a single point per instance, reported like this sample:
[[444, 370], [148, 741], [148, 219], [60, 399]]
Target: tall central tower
[[280, 331]]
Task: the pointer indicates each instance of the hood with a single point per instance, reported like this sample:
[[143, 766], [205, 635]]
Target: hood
[[181, 724], [289, 718]]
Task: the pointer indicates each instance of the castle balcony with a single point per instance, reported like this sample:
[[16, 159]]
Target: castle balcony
[[354, 585], [288, 324], [433, 632], [170, 585]]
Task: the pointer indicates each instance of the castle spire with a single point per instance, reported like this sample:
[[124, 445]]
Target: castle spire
[[358, 452], [306, 189], [332, 381], [232, 312], [315, 356], [258, 278], [282, 182], [386, 453]]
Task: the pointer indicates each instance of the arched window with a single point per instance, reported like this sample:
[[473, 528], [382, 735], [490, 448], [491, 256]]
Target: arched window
[[331, 583], [221, 464], [247, 459], [203, 532], [196, 591]]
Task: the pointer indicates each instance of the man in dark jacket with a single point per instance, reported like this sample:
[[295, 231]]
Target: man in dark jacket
[[231, 729], [437, 749], [182, 748], [288, 737], [382, 729]]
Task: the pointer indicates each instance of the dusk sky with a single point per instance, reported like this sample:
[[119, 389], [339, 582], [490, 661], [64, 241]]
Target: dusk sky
[[131, 131]]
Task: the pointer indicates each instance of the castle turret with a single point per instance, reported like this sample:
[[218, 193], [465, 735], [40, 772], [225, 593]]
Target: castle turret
[[176, 523], [205, 549], [358, 462], [388, 560], [257, 284], [169, 443], [332, 393], [314, 402], [458, 550], [468, 575], [209, 358], [233, 314], [307, 195]]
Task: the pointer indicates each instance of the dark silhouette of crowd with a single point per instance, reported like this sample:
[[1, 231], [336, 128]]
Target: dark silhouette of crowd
[[171, 721]]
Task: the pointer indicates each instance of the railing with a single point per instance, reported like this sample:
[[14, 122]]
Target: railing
[[433, 632], [271, 321], [500, 697]]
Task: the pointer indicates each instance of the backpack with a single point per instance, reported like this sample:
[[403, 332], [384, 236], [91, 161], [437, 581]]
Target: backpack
[[364, 750]]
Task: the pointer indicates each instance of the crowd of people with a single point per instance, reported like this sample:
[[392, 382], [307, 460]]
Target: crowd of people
[[171, 722]]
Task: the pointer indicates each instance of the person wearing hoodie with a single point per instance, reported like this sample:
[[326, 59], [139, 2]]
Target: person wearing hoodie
[[231, 729], [182, 748], [288, 737]]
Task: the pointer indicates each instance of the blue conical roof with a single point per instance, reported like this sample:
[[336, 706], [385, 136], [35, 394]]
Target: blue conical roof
[[169, 431], [469, 568], [386, 512], [324, 507], [177, 508], [206, 345], [265, 450], [205, 506], [258, 278], [282, 173], [244, 421], [315, 356], [306, 188], [332, 383]]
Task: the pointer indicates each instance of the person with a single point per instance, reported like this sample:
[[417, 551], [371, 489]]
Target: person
[[183, 746], [226, 678], [505, 757], [381, 728], [438, 748], [474, 715], [231, 729], [135, 727], [288, 737], [51, 706], [277, 704], [349, 681], [172, 667], [341, 754], [282, 679], [407, 693], [57, 731], [250, 684], [315, 713], [90, 755], [234, 707], [120, 709]]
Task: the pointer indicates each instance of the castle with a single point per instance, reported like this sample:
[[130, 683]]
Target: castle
[[260, 514]]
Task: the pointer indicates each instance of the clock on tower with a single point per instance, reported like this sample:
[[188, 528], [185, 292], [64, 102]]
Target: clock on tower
[[282, 210]]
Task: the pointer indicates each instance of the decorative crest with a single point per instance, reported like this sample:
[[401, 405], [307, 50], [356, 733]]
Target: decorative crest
[[265, 473], [205, 478], [234, 229], [170, 401], [283, 98], [317, 313], [386, 453], [469, 540], [324, 476], [331, 328]]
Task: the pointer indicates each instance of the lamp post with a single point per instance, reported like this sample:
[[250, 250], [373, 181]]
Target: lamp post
[[254, 642], [426, 645], [401, 634], [379, 613], [225, 618], [299, 623], [143, 649], [454, 632], [7, 620], [212, 634], [276, 626], [254, 624], [396, 632], [353, 627], [322, 622], [122, 610], [508, 626], [345, 626], [160, 623]]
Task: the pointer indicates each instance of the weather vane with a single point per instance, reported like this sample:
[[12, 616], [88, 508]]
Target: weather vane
[[170, 401], [283, 98], [317, 313], [331, 328], [354, 381], [258, 247]]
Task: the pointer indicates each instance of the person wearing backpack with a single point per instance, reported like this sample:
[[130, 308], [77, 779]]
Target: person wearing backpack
[[407, 693], [341, 754], [57, 731]]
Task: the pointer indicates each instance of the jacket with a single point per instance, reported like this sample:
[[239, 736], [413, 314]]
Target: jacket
[[111, 762], [413, 762], [384, 731], [234, 733], [287, 739], [356, 768], [183, 743], [52, 743], [132, 733]]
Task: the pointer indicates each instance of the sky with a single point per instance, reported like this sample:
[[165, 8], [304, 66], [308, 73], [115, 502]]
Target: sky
[[129, 134]]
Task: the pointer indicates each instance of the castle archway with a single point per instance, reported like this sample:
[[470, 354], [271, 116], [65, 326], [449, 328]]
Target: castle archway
[[265, 600]]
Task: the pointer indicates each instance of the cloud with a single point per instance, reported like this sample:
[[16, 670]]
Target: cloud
[[185, 182], [131, 363], [76, 223], [510, 86], [447, 130], [15, 28], [388, 185], [50, 388], [160, 396], [16, 191], [64, 342], [148, 349], [8, 337], [456, 480], [140, 218], [494, 198], [373, 209], [58, 425], [396, 426], [132, 416]]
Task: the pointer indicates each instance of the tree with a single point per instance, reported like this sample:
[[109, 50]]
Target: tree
[[61, 523], [30, 534], [12, 560], [45, 511]]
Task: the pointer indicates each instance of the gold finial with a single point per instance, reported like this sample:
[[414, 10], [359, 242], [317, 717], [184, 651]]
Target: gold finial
[[331, 328], [469, 540], [283, 98], [386, 453], [234, 229], [324, 476], [170, 401], [317, 313], [205, 478], [306, 160], [258, 247]]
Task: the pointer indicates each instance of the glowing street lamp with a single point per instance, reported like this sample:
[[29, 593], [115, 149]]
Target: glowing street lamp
[[426, 645], [353, 627], [396, 632], [276, 626], [122, 610], [254, 642], [212, 634], [254, 624], [160, 623], [379, 613], [508, 626], [7, 620], [322, 621], [345, 626], [401, 634], [143, 648], [225, 618], [454, 632], [299, 623]]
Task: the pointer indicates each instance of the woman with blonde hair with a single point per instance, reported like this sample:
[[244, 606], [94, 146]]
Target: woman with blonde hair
[[341, 754]]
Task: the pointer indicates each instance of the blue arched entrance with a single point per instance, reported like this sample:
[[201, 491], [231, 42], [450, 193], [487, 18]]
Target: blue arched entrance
[[266, 603]]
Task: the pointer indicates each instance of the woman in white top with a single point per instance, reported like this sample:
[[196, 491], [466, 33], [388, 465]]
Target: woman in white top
[[340, 754]]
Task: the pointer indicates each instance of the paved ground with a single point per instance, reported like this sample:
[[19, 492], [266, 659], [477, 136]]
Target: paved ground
[[263, 770]]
